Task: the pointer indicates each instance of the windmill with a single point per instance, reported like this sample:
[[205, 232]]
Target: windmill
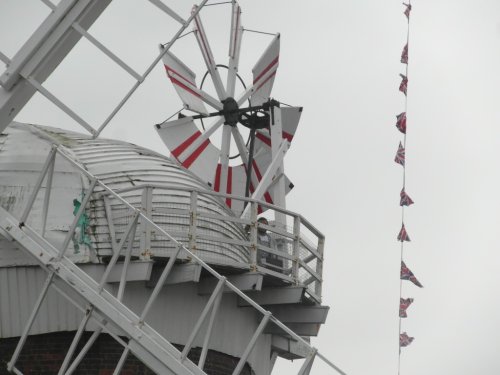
[[260, 171], [116, 246]]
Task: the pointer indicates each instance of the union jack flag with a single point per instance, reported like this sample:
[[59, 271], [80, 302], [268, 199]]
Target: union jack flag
[[404, 84], [404, 55], [400, 155], [407, 10], [405, 340], [406, 274], [404, 303], [401, 122], [405, 199], [403, 236]]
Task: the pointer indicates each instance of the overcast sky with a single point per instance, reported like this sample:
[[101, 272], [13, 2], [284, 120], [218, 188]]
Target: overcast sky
[[340, 60]]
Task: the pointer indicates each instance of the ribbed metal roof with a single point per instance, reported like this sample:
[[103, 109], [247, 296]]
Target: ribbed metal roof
[[119, 165]]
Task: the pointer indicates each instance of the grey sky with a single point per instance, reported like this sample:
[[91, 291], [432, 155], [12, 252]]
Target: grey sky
[[340, 60]]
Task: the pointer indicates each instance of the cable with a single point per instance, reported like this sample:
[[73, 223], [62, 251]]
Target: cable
[[182, 36], [220, 3], [171, 116], [404, 189], [259, 32]]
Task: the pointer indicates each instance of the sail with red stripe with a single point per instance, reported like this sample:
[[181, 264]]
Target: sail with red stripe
[[184, 81], [187, 146], [264, 72]]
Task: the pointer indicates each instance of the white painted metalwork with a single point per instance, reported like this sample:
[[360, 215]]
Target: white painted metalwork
[[137, 220], [48, 46], [145, 343], [193, 148]]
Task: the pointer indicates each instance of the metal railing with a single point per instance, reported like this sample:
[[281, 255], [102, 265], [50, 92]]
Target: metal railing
[[108, 311], [221, 238]]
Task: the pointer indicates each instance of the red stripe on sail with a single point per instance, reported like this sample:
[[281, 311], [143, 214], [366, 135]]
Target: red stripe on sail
[[191, 159], [287, 136], [182, 147], [182, 85], [217, 178], [267, 79], [169, 69], [229, 184], [263, 138], [271, 64]]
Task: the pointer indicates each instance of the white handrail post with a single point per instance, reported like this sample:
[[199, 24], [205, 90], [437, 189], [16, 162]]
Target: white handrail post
[[296, 249], [38, 184], [46, 199], [253, 235], [193, 220], [319, 265]]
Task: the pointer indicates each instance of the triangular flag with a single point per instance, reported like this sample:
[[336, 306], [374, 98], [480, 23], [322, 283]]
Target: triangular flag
[[404, 54], [403, 236], [403, 86], [405, 199], [404, 303], [407, 10], [405, 340], [400, 155], [401, 122], [406, 274]]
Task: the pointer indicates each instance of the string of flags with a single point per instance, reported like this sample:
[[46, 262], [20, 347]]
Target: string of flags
[[405, 200]]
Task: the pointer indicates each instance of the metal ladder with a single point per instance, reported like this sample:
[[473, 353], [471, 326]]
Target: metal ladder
[[106, 309]]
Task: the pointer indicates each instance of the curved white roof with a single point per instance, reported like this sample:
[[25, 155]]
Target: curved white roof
[[119, 165]]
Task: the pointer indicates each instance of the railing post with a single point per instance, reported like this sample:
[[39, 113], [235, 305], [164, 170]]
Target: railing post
[[46, 199], [296, 249], [319, 265], [253, 236], [193, 221], [147, 210], [48, 162]]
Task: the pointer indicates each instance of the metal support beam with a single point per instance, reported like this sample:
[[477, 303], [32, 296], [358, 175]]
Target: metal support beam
[[181, 273], [201, 319], [244, 282], [301, 329], [300, 313], [38, 184], [29, 323], [267, 179], [43, 52], [46, 199], [168, 11], [307, 365], [208, 334], [251, 344], [275, 296]]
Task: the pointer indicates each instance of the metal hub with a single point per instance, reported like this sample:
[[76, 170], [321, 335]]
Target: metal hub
[[230, 111]]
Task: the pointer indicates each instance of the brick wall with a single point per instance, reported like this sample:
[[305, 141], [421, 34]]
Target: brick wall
[[43, 354]]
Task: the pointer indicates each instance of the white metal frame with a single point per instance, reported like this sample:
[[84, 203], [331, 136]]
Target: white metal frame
[[108, 310], [49, 45]]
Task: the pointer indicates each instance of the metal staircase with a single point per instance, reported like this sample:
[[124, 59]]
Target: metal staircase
[[107, 310]]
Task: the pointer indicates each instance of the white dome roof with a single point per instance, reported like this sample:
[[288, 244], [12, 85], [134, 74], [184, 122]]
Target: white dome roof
[[119, 165]]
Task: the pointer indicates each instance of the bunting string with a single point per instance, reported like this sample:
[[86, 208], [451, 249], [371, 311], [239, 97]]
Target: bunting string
[[405, 200]]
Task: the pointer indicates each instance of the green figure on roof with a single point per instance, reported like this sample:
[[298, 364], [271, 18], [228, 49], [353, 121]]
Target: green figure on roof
[[80, 235]]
